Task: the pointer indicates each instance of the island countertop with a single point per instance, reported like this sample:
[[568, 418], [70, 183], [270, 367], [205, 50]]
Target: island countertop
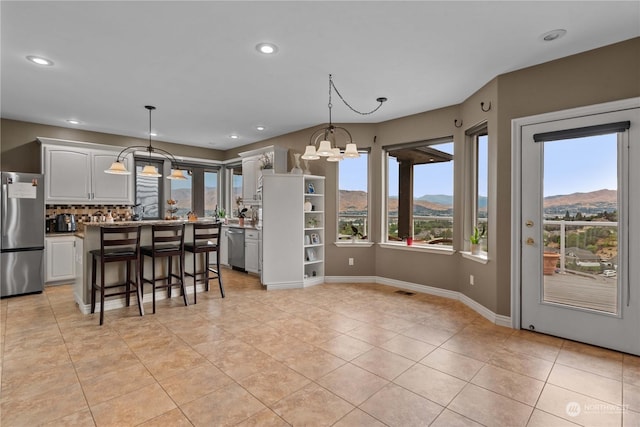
[[150, 222]]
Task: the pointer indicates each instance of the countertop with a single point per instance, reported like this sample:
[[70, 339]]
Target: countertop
[[162, 221]]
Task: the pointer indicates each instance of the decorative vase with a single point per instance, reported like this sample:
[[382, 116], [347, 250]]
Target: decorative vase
[[296, 169], [308, 206], [241, 222], [475, 248], [549, 262]]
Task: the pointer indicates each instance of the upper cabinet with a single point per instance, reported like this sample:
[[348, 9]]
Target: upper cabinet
[[252, 169], [76, 175]]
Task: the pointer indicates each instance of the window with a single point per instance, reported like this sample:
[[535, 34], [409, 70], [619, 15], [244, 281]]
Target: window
[[235, 188], [210, 192], [420, 192], [478, 183], [148, 191], [182, 193], [353, 198]]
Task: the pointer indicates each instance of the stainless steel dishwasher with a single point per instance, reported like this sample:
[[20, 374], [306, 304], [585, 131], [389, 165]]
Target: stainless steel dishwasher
[[236, 247]]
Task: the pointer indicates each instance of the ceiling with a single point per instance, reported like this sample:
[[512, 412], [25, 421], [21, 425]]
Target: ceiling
[[197, 61]]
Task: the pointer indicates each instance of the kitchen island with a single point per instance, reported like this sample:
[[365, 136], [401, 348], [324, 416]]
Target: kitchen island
[[91, 241]]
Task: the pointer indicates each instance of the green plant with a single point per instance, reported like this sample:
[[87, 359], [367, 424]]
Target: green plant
[[477, 235], [222, 213]]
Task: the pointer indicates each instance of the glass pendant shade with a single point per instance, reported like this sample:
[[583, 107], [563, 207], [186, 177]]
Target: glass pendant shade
[[351, 151], [177, 174], [324, 149], [310, 153], [117, 168], [150, 171], [335, 156]]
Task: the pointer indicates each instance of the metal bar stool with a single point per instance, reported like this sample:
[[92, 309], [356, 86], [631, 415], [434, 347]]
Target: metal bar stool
[[167, 241], [206, 239], [117, 244]]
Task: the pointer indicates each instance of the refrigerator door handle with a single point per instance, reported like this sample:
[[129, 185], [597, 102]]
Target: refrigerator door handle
[[4, 209]]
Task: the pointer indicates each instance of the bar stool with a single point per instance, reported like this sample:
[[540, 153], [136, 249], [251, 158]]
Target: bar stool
[[117, 244], [206, 239], [167, 241]]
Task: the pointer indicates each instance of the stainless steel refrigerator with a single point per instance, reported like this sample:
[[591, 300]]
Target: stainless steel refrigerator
[[22, 228]]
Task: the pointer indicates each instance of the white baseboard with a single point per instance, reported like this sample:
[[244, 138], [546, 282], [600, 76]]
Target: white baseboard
[[498, 319]]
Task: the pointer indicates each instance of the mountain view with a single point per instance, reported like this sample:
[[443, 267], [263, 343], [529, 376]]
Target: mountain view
[[441, 204]]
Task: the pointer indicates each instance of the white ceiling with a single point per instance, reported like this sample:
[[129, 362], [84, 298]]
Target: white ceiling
[[197, 62]]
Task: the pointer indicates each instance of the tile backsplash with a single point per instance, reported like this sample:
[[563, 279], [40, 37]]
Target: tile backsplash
[[85, 212]]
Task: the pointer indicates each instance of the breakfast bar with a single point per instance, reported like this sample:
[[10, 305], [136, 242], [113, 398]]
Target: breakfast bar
[[91, 241]]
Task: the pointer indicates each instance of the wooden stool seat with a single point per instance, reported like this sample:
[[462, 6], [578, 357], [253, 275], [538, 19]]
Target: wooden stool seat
[[117, 244]]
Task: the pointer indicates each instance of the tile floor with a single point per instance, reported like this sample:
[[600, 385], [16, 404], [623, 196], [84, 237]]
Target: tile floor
[[334, 354]]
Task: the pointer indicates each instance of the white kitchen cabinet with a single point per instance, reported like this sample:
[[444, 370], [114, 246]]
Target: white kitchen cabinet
[[60, 258], [76, 175], [252, 170], [292, 238], [252, 251], [223, 251]]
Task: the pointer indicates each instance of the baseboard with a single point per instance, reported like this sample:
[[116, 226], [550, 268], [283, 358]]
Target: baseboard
[[497, 319]]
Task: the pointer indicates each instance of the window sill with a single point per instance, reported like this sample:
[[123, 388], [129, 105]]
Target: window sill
[[481, 258], [350, 244], [419, 248]]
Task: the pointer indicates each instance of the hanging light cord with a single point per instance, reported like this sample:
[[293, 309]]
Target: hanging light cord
[[381, 100]]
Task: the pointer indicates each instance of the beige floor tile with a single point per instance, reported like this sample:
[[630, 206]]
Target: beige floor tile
[[80, 418], [509, 384], [630, 419], [383, 363], [22, 384], [408, 347], [346, 347], [521, 364], [133, 408], [172, 361], [315, 363], [450, 419], [372, 334], [358, 418], [543, 419], [264, 418], [103, 364], [429, 334], [452, 363], [631, 397], [480, 347], [352, 383], [194, 383], [312, 406], [430, 383], [284, 347], [578, 408], [596, 360], [223, 407], [489, 408], [274, 383], [38, 409], [631, 370], [596, 386], [173, 418], [116, 383], [396, 406], [532, 344]]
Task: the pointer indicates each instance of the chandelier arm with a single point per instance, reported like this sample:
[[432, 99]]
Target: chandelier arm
[[366, 113], [166, 154], [122, 154]]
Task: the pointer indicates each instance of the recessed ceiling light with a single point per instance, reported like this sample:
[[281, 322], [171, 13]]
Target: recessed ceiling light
[[260, 128], [553, 35], [153, 134], [267, 48], [40, 60], [73, 121], [234, 136]]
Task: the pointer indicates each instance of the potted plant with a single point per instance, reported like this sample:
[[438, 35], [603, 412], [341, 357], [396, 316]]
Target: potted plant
[[242, 213], [222, 214], [475, 239]]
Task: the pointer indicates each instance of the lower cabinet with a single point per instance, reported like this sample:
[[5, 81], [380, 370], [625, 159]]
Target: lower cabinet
[[252, 251], [78, 286], [60, 262]]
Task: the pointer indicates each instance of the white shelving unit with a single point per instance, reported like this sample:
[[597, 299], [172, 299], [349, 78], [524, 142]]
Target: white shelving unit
[[293, 234]]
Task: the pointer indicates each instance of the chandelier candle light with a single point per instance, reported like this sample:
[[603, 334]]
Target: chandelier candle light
[[327, 147], [118, 168]]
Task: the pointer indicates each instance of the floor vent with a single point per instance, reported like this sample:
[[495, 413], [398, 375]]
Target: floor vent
[[405, 293]]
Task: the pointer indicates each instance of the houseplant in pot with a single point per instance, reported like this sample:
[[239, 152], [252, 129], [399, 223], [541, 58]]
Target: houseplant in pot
[[475, 239]]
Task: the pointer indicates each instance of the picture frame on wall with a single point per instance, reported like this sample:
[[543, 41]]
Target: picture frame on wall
[[315, 239]]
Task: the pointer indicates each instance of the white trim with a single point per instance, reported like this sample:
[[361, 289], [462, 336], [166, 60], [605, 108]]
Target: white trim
[[434, 249], [481, 258], [497, 319], [356, 244], [516, 182]]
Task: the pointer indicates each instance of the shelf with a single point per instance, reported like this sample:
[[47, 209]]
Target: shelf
[[315, 245], [313, 228], [313, 195], [313, 212], [318, 261]]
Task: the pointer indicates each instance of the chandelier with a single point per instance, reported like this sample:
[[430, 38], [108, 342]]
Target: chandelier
[[149, 170], [327, 146]]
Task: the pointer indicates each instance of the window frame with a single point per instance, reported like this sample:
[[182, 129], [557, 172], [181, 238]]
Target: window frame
[[422, 247], [350, 242], [159, 163], [471, 217]]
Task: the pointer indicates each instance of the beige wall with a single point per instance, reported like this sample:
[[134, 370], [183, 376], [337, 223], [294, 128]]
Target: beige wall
[[597, 76]]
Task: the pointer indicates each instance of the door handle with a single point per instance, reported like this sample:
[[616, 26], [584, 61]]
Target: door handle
[[5, 200], [530, 241]]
